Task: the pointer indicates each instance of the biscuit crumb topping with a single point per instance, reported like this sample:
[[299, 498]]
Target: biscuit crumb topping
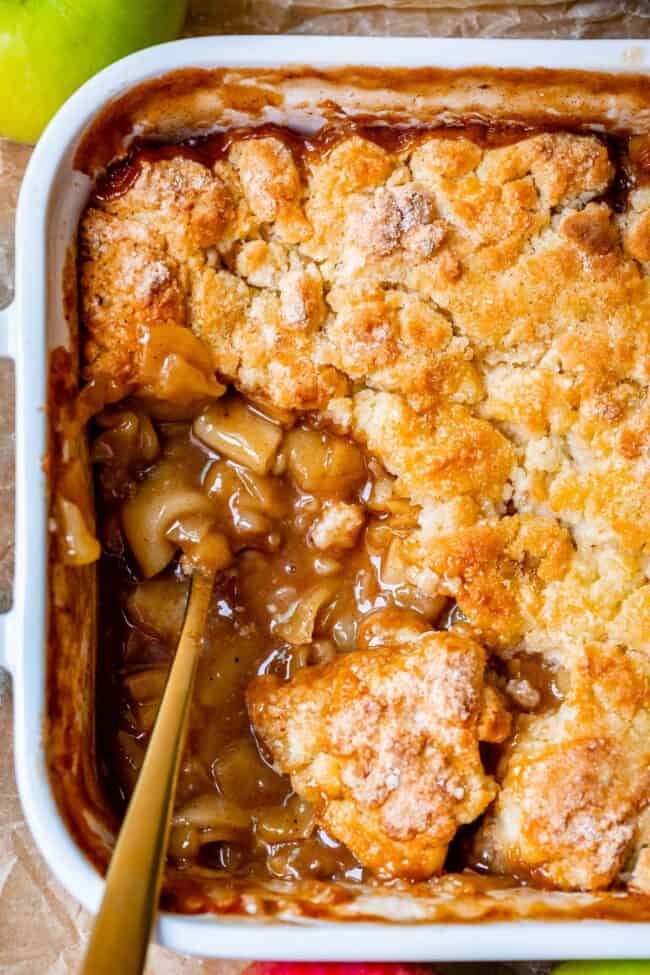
[[385, 745]]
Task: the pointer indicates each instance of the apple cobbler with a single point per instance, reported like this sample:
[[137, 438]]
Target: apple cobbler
[[392, 384]]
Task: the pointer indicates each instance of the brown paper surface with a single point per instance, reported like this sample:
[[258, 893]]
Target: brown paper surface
[[42, 928]]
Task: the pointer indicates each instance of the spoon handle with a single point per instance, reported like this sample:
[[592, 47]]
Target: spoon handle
[[120, 937]]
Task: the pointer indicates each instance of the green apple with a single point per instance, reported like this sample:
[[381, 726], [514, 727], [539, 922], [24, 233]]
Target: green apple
[[49, 47]]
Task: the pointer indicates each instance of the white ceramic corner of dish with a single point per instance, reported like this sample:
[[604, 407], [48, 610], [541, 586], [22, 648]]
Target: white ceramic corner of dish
[[50, 203]]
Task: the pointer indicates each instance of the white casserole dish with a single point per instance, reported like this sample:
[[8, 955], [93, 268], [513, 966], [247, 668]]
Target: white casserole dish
[[52, 196]]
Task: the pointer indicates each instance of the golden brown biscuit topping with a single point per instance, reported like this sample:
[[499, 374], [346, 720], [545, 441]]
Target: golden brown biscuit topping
[[384, 743]]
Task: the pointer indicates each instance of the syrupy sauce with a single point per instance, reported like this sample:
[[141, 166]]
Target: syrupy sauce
[[626, 175]]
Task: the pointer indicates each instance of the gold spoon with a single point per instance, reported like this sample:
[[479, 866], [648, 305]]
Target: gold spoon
[[120, 938]]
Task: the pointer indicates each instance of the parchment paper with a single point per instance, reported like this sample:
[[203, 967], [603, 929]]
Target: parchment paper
[[42, 929]]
